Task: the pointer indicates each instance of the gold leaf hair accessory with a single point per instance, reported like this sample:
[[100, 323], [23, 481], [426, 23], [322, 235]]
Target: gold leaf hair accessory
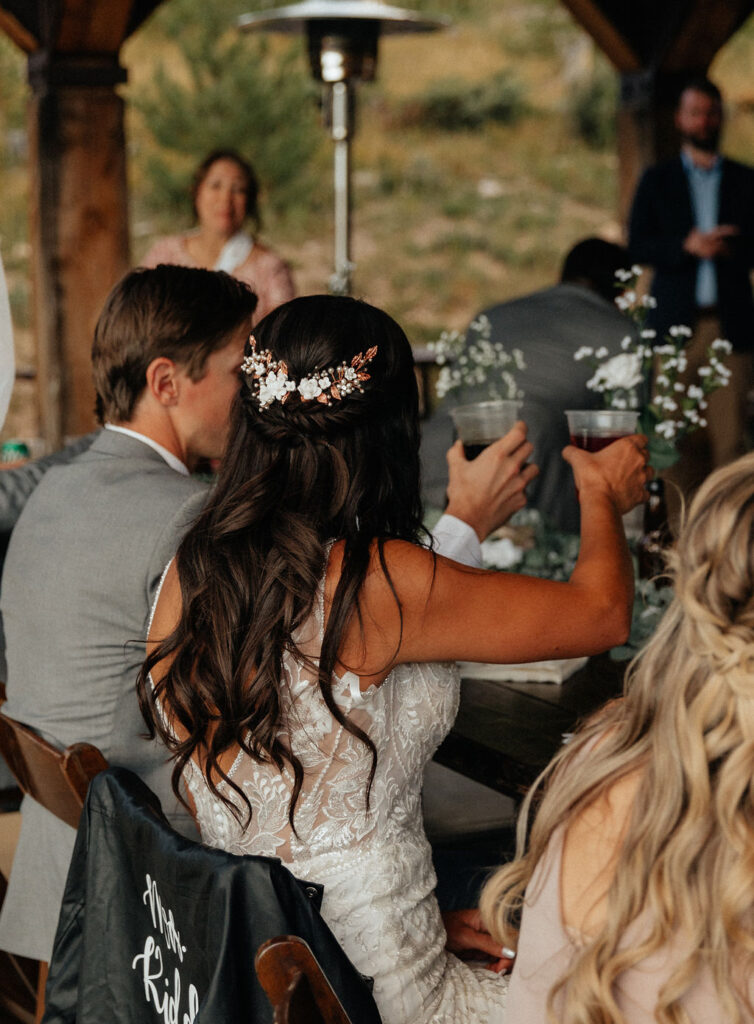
[[270, 381]]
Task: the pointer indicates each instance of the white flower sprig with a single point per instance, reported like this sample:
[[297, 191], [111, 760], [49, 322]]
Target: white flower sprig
[[475, 361], [269, 380], [646, 375]]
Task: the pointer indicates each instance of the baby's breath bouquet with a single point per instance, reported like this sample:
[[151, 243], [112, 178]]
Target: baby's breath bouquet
[[645, 375], [529, 544], [473, 364]]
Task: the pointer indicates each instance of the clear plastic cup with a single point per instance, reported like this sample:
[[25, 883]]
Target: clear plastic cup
[[595, 429], [479, 424]]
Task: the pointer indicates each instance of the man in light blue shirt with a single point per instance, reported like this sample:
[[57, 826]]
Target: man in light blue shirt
[[704, 186], [693, 221]]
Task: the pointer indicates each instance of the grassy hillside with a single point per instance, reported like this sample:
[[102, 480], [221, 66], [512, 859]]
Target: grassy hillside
[[446, 219]]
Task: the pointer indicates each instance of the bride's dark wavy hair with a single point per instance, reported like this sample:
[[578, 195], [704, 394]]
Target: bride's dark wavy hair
[[294, 476]]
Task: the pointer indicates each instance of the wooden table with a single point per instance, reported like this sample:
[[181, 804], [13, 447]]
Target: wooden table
[[506, 732]]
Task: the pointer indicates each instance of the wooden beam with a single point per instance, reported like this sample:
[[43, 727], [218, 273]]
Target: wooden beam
[[707, 27], [43, 192], [604, 33], [142, 9], [646, 133], [73, 26], [20, 35], [93, 26], [79, 218]]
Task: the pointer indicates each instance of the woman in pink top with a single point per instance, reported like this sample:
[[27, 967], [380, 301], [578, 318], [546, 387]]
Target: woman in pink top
[[637, 888], [224, 194]]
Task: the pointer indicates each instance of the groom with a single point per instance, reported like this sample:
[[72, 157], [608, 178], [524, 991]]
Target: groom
[[88, 550]]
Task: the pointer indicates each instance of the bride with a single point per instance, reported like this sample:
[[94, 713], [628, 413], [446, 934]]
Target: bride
[[302, 645]]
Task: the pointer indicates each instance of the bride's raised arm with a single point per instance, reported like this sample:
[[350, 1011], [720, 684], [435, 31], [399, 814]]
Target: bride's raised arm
[[444, 611]]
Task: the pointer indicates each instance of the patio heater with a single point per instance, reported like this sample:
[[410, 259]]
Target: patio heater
[[342, 40]]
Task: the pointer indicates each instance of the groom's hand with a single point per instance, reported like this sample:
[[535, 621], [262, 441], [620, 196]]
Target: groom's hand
[[468, 939], [485, 492]]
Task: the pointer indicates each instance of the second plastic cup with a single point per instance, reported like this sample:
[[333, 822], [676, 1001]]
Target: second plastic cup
[[594, 429]]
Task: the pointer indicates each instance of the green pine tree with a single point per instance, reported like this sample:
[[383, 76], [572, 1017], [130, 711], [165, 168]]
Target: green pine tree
[[246, 91]]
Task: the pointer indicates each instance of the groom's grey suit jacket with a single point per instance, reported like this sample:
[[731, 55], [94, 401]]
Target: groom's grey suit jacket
[[80, 575]]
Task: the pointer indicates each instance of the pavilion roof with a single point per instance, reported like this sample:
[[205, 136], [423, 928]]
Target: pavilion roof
[[665, 35], [73, 26], [661, 35]]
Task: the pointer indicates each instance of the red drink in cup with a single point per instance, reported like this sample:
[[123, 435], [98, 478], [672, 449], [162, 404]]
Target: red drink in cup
[[595, 429], [476, 448], [594, 444]]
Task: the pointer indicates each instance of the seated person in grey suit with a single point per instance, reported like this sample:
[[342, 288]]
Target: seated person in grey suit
[[15, 487], [93, 539], [549, 326]]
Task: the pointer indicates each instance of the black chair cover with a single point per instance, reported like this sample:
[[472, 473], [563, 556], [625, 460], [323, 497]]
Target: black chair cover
[[156, 928]]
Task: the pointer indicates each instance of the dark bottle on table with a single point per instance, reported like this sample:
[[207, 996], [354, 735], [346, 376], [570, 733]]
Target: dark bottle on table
[[656, 535]]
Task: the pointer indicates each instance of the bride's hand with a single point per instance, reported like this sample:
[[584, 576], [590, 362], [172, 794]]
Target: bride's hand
[[468, 939], [620, 470]]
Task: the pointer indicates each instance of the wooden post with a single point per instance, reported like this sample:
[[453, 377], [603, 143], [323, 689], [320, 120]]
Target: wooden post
[[79, 225]]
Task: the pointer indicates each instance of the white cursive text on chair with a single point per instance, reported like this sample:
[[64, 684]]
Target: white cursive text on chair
[[166, 1000]]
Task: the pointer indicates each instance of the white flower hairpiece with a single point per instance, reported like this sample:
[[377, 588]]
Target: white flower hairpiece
[[272, 384]]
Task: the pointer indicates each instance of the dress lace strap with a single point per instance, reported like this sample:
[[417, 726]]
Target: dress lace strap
[[157, 701], [354, 687], [157, 597]]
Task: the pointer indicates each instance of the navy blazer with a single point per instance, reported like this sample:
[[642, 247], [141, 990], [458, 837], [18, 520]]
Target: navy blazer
[[661, 218]]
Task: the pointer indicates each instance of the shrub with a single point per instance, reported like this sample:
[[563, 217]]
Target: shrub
[[453, 104], [592, 108]]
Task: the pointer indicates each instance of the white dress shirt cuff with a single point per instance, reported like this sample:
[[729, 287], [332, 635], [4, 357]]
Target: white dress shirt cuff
[[457, 540]]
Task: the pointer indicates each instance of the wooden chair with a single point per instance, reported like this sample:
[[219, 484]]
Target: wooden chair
[[18, 982], [10, 795], [58, 779], [295, 984]]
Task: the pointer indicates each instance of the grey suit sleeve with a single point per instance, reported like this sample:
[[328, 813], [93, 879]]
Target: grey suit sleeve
[[15, 487], [168, 541], [17, 484]]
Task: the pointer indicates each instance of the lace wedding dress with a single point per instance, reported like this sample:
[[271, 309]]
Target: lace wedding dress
[[375, 864]]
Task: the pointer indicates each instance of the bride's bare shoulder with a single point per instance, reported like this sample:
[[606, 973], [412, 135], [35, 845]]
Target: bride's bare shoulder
[[167, 611], [402, 561]]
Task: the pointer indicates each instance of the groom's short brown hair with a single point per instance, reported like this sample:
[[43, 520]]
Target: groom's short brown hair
[[183, 313]]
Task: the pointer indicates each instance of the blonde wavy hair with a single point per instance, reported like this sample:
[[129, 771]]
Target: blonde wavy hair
[[686, 724]]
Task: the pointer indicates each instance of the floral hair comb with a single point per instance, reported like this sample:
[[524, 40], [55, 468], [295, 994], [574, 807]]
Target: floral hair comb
[[270, 381]]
